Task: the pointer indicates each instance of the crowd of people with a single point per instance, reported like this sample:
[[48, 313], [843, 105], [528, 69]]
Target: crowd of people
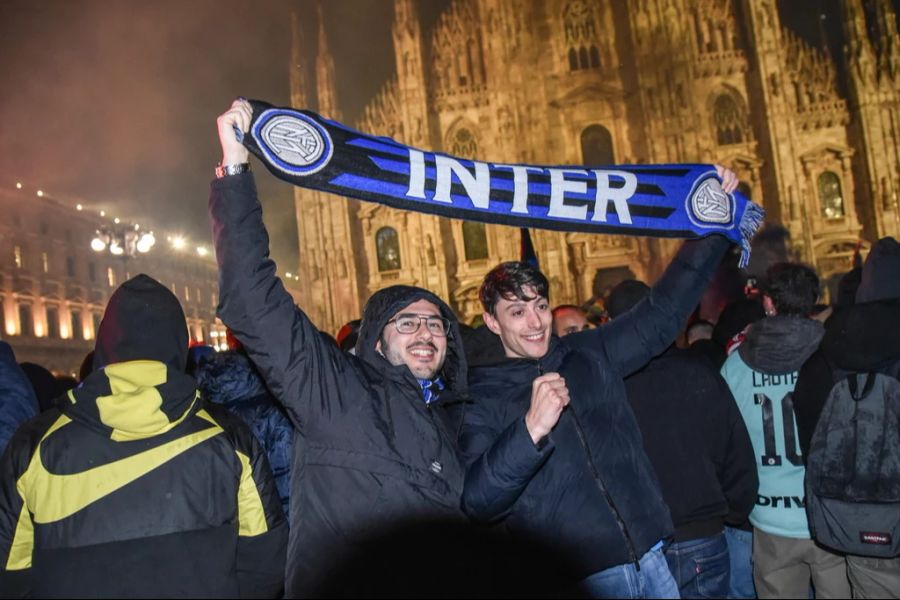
[[655, 455]]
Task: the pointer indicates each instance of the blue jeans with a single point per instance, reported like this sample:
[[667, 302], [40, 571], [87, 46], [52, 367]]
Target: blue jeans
[[653, 580], [740, 547], [700, 566]]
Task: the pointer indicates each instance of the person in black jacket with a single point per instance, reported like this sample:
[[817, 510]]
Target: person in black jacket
[[132, 487], [698, 444], [860, 338], [376, 447], [230, 380], [553, 447]]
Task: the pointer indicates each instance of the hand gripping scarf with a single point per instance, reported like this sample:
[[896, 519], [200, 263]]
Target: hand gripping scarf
[[671, 201]]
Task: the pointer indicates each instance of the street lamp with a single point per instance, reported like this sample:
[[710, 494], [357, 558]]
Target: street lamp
[[123, 242]]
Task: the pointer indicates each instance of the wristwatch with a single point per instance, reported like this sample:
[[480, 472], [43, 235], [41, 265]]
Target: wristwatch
[[227, 170]]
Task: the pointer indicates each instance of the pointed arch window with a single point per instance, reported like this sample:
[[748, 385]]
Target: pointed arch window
[[728, 121], [463, 143], [596, 146], [573, 59], [830, 196], [475, 240], [387, 246], [580, 28]]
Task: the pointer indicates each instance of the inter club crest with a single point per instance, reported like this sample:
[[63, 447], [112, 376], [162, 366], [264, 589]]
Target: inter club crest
[[709, 205], [293, 142]]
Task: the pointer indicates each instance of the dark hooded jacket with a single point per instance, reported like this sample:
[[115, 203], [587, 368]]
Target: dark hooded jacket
[[370, 456], [230, 380], [132, 487], [697, 441], [589, 492], [861, 338], [17, 399]]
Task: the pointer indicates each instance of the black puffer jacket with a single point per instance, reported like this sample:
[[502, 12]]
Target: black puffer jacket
[[590, 492], [697, 441], [370, 455]]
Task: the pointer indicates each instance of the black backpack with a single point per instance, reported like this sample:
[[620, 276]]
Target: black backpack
[[853, 467]]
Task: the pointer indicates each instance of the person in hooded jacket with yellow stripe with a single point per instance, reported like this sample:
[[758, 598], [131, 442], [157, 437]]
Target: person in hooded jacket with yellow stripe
[[134, 487]]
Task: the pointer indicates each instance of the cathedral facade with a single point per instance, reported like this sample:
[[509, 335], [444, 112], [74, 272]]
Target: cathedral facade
[[600, 82]]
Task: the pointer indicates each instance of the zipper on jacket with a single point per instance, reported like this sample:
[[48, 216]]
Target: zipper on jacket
[[629, 544], [436, 466]]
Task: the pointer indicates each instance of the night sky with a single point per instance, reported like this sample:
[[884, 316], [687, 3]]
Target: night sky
[[113, 103]]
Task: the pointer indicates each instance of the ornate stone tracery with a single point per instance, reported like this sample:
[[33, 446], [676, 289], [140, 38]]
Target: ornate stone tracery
[[603, 81], [580, 27]]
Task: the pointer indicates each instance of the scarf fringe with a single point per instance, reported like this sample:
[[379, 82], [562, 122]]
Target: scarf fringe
[[751, 221]]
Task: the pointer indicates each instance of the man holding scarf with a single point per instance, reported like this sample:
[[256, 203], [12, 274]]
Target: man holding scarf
[[660, 200], [375, 451], [553, 448]]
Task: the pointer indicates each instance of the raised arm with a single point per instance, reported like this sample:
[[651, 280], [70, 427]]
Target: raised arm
[[631, 340], [645, 331], [298, 364]]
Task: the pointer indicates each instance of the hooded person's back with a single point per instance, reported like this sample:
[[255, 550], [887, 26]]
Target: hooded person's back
[[859, 338], [132, 487]]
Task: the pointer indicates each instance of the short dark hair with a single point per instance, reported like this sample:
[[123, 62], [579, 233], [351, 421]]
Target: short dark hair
[[508, 280], [563, 307], [625, 296], [793, 288]]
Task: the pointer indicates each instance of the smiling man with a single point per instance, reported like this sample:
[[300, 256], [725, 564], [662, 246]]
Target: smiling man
[[553, 447], [375, 449]]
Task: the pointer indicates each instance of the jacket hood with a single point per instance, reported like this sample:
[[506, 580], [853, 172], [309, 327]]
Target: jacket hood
[[143, 321], [133, 400], [780, 344], [230, 378], [863, 337], [881, 273], [383, 305]]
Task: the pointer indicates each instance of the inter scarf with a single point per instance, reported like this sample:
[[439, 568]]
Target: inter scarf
[[672, 201]]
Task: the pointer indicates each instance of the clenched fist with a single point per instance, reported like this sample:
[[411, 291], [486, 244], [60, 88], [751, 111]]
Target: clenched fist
[[549, 397], [237, 117]]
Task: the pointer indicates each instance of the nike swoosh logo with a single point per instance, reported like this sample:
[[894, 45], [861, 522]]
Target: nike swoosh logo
[[52, 497]]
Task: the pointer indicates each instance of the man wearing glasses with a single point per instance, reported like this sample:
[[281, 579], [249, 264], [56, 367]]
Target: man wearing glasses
[[374, 448]]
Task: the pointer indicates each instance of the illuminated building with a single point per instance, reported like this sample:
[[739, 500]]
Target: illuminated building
[[604, 82], [54, 288]]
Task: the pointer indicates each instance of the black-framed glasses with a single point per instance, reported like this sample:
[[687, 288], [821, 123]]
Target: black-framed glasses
[[410, 323]]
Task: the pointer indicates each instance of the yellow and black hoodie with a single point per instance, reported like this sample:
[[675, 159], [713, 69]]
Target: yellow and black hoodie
[[134, 488]]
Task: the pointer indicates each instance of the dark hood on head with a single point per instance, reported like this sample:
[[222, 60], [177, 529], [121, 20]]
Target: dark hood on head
[[863, 337], [881, 273], [384, 304], [781, 344], [143, 321]]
